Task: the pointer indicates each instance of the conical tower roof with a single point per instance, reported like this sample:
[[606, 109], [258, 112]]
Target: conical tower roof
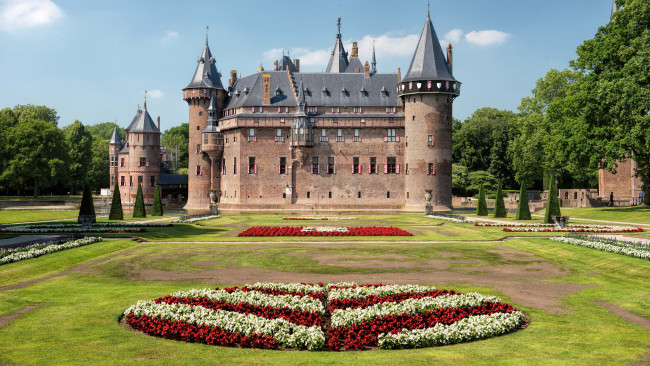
[[206, 74], [115, 137], [142, 122], [373, 61], [429, 61], [339, 59], [212, 116]]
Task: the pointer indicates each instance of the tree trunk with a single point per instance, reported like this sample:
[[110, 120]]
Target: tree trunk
[[36, 188]]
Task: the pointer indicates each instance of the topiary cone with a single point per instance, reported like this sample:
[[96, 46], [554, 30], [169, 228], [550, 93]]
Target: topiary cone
[[552, 205], [523, 211], [481, 209], [116, 205], [499, 205], [157, 209], [138, 208]]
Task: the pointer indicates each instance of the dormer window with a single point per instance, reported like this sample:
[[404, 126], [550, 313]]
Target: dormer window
[[364, 92], [384, 92], [325, 92], [278, 91], [246, 90], [344, 91], [237, 93]]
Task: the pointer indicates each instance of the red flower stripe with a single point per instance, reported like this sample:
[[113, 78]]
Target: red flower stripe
[[275, 292], [266, 231], [372, 300], [365, 334], [199, 334], [299, 317]]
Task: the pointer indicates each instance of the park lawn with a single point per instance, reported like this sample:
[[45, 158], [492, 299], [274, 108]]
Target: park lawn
[[634, 214], [17, 216], [77, 315]]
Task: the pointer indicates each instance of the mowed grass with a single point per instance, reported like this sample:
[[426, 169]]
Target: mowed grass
[[76, 321], [17, 216]]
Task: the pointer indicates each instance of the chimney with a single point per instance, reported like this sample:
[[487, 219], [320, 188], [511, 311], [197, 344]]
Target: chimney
[[399, 75], [355, 50], [275, 65], [158, 122], [450, 58], [233, 78], [266, 89], [366, 70], [296, 63]]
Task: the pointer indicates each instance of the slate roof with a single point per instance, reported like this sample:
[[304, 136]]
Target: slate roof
[[142, 122], [115, 137], [284, 62], [172, 179], [212, 116], [321, 89], [429, 61], [339, 59], [206, 74], [124, 149], [354, 64]]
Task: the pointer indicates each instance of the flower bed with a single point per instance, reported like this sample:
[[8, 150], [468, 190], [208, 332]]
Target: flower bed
[[552, 228], [36, 250], [633, 249], [323, 231], [295, 316], [319, 218], [100, 227], [450, 217], [194, 218]]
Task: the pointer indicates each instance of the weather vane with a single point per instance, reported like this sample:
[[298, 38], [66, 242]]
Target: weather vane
[[207, 27]]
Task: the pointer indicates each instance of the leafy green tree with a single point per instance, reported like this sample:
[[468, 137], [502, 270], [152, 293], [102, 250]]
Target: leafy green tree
[[552, 204], [98, 171], [7, 121], [613, 98], [177, 136], [80, 152], [481, 208], [478, 179], [157, 209], [116, 212], [87, 206], [38, 155], [459, 180], [499, 205], [523, 211], [104, 130], [138, 208], [30, 112]]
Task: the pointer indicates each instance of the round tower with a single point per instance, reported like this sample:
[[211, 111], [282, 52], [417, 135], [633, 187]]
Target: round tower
[[428, 92], [114, 146], [205, 83]]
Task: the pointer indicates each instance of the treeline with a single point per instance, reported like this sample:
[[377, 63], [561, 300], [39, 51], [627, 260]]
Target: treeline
[[37, 157]]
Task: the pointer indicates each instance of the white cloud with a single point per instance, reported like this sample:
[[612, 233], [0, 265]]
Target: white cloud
[[169, 36], [453, 35], [487, 37], [155, 94], [21, 14]]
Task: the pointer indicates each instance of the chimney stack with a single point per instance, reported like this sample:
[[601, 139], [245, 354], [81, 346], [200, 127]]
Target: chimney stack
[[275, 65], [158, 122], [233, 78], [355, 50], [266, 89], [366, 70], [450, 58], [399, 75], [296, 63]]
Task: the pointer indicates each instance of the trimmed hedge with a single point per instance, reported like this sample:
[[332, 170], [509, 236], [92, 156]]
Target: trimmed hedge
[[138, 209], [481, 209], [523, 211], [552, 204], [116, 205], [500, 206], [157, 209], [87, 206]]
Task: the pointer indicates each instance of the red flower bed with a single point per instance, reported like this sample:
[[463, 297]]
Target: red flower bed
[[372, 300], [318, 296], [266, 231]]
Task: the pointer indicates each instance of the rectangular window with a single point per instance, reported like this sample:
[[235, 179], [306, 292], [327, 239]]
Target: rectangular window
[[130, 181], [223, 166], [252, 167], [198, 170], [278, 135], [336, 109], [122, 162], [323, 135], [282, 168], [152, 181], [122, 181], [330, 195], [356, 168], [390, 135], [142, 162], [331, 168], [308, 194], [387, 194], [391, 109], [234, 165], [372, 167], [140, 180], [339, 135], [314, 166], [356, 137], [357, 110], [198, 148], [205, 138], [391, 165], [313, 110], [358, 194], [251, 135], [431, 169], [430, 140]]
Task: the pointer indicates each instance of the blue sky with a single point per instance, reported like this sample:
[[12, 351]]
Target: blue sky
[[92, 60]]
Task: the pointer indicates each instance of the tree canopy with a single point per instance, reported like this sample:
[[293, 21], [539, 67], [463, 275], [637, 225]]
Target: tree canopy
[[177, 136]]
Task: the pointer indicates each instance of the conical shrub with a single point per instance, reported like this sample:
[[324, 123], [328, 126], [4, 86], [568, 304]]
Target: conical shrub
[[552, 205], [481, 209], [87, 207], [116, 205], [157, 209], [523, 211], [138, 209], [499, 205]]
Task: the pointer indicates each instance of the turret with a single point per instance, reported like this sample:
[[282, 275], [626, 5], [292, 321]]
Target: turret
[[205, 86], [339, 59], [428, 92], [212, 144], [301, 128], [114, 146]]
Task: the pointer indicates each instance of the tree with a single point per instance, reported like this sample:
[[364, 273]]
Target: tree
[[30, 112], [104, 130], [38, 155], [459, 180], [552, 205], [87, 206], [116, 205], [157, 209], [80, 152], [98, 171], [523, 211], [177, 136], [138, 208], [478, 179], [613, 98], [499, 205], [481, 209]]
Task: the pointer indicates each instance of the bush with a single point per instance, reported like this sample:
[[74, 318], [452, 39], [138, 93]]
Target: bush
[[116, 205], [500, 206], [87, 207], [481, 209], [491, 196], [157, 209], [138, 209], [552, 205], [523, 211]]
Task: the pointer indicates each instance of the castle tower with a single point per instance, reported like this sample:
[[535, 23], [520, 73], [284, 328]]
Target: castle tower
[[428, 92], [205, 82], [114, 146]]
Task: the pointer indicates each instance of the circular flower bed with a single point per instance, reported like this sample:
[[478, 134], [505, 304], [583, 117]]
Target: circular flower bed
[[552, 228], [341, 316], [323, 231]]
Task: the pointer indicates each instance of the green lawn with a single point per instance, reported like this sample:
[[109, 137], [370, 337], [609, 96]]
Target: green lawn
[[76, 319], [16, 216]]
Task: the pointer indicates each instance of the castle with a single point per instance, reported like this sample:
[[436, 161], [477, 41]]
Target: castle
[[348, 138]]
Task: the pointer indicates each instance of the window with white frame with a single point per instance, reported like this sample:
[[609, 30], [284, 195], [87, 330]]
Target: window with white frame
[[312, 110], [282, 167], [372, 167], [252, 167], [323, 135], [278, 135], [336, 109], [331, 167], [391, 135], [356, 137], [314, 165], [356, 167], [339, 135], [357, 110], [251, 135], [430, 140], [431, 169]]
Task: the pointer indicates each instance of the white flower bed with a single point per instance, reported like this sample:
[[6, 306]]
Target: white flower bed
[[288, 334], [468, 329], [301, 303], [195, 219], [67, 229], [348, 317], [289, 287], [388, 290], [33, 253], [452, 219], [319, 218], [325, 229], [604, 246]]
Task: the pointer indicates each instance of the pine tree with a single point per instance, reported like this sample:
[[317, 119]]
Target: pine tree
[[116, 205], [481, 209], [157, 209], [87, 207], [138, 208], [552, 205], [523, 211], [499, 205]]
